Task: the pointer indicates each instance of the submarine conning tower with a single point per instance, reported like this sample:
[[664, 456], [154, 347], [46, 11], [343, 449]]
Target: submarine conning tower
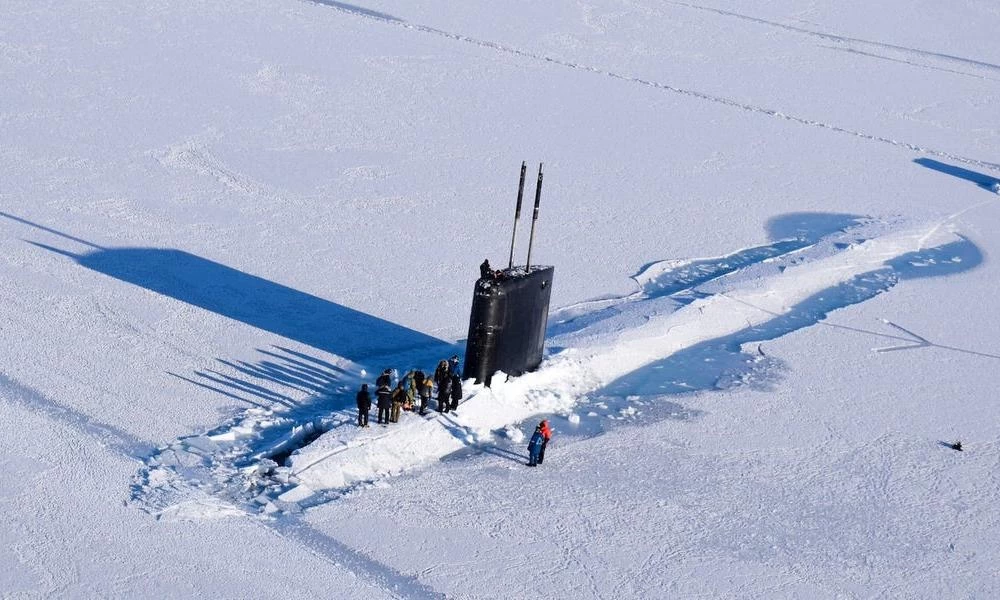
[[510, 309]]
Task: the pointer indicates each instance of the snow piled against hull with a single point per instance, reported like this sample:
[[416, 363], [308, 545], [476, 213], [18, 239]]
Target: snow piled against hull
[[574, 372], [328, 454]]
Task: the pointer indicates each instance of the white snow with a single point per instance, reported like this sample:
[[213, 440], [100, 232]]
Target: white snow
[[774, 304]]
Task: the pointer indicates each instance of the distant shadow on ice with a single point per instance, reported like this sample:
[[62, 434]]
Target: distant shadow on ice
[[982, 180], [357, 10]]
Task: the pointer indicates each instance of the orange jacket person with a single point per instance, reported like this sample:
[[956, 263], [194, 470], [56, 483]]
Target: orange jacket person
[[546, 436]]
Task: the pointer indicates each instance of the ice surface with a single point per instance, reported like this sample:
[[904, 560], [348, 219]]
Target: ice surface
[[773, 225]]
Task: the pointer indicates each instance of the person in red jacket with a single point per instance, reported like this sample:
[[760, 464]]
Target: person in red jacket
[[546, 436]]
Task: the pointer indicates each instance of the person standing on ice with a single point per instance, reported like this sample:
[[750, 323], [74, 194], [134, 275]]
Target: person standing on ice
[[425, 394], [411, 389], [364, 405], [444, 394], [535, 446], [384, 395], [485, 270], [398, 398], [420, 381], [441, 373], [546, 436], [453, 365], [456, 391], [384, 379]]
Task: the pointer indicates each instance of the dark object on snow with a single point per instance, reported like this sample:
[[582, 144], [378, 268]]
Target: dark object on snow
[[535, 446], [384, 379], [507, 324], [444, 395], [509, 314], [956, 446], [546, 437], [517, 214], [456, 391], [384, 395], [364, 405], [534, 217]]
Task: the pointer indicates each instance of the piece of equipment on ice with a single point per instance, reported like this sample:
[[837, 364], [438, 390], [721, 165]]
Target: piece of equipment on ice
[[510, 309]]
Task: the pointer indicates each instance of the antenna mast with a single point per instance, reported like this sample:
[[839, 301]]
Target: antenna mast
[[517, 214], [534, 217]]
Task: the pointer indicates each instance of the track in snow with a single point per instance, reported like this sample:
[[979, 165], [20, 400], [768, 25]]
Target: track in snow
[[397, 584], [770, 112], [841, 39], [106, 435]]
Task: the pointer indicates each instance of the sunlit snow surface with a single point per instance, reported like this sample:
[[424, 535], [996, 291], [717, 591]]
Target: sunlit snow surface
[[773, 308], [795, 284]]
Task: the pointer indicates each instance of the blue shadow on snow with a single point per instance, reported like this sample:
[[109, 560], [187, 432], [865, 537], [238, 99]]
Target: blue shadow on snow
[[984, 181], [788, 233], [249, 299], [281, 367], [720, 363], [357, 10]]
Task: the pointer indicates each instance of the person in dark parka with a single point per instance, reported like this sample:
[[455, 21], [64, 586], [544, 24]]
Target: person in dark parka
[[485, 270], [444, 395], [384, 395], [535, 446], [398, 399], [424, 387], [456, 391], [441, 373], [364, 405], [384, 379]]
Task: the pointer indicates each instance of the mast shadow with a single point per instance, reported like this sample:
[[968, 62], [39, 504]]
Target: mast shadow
[[255, 301]]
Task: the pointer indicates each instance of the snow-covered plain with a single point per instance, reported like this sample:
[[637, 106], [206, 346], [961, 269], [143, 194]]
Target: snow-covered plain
[[772, 224]]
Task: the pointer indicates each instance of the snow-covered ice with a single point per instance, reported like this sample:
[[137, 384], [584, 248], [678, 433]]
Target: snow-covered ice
[[772, 226]]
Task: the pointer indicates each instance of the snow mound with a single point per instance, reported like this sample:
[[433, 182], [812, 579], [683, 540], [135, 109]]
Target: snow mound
[[513, 434], [344, 458], [293, 461]]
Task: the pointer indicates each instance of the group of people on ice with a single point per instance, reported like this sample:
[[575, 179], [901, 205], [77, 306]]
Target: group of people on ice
[[416, 386]]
